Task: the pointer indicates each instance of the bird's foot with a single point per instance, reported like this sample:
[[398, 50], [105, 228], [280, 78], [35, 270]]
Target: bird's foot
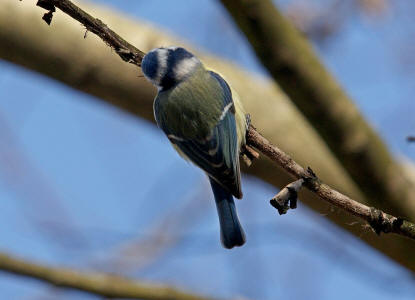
[[248, 153]]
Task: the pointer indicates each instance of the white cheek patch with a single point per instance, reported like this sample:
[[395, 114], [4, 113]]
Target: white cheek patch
[[185, 67], [162, 55]]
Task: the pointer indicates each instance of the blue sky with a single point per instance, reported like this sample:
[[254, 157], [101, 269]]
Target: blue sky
[[82, 182]]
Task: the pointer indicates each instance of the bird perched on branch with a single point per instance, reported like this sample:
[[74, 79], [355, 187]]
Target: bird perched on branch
[[206, 124]]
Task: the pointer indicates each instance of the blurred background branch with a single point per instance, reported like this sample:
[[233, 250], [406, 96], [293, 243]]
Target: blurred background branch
[[24, 179], [167, 231], [101, 284]]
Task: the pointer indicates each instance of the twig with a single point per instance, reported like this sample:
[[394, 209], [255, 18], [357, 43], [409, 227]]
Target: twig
[[380, 221], [287, 197], [105, 285]]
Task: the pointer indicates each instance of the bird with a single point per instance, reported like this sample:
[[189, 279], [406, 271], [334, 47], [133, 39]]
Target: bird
[[205, 122]]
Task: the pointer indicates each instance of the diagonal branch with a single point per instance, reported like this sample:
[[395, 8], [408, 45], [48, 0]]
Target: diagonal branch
[[105, 285], [380, 221]]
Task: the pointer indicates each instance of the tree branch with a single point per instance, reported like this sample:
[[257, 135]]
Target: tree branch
[[380, 221], [105, 285]]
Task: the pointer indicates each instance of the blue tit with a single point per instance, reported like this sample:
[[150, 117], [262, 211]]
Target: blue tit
[[205, 122]]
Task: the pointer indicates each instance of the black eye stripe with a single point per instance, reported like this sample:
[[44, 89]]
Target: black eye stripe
[[168, 79], [174, 56]]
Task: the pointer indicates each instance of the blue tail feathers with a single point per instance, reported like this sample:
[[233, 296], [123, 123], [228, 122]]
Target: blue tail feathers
[[231, 232]]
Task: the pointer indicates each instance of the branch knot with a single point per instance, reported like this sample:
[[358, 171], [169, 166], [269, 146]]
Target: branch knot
[[310, 179], [379, 223]]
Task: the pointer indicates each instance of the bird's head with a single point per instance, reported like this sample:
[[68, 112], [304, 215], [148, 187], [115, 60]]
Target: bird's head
[[167, 67]]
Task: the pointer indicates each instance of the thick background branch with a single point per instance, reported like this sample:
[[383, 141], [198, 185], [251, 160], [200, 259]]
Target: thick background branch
[[104, 285], [92, 68], [290, 59]]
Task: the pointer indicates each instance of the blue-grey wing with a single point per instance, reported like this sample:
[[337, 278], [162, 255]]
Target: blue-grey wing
[[218, 155]]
